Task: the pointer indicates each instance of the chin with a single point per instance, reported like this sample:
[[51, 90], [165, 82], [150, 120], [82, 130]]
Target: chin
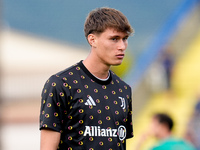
[[116, 64], [119, 62]]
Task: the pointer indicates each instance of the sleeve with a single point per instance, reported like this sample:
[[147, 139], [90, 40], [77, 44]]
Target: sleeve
[[53, 104], [129, 125]]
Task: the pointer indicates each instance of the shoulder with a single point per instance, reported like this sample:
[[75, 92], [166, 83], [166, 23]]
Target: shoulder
[[68, 71], [173, 143], [61, 77]]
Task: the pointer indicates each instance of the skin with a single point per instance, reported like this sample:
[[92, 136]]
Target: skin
[[107, 48], [157, 130], [49, 139]]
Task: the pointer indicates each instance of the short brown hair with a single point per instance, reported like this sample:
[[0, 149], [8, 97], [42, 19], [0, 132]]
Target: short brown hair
[[100, 19]]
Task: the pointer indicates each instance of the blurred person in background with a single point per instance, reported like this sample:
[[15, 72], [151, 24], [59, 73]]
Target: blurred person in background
[[161, 128], [193, 129], [168, 64], [87, 106]]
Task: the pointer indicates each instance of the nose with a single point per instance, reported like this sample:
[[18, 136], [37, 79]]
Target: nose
[[122, 44]]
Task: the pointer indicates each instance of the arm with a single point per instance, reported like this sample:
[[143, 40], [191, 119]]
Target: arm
[[49, 140]]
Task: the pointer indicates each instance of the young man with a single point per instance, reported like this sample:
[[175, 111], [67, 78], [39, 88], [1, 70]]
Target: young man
[[86, 106]]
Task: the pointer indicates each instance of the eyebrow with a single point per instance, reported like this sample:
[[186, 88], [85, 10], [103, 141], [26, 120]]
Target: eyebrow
[[117, 36]]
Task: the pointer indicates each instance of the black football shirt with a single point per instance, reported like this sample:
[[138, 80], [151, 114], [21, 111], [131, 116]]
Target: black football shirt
[[90, 113]]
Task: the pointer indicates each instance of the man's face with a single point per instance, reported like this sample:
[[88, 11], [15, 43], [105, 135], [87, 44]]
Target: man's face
[[157, 128], [110, 46]]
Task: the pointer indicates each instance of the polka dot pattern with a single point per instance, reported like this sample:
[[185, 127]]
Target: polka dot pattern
[[88, 110]]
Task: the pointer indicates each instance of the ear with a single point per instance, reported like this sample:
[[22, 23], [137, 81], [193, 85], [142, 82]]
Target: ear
[[92, 40]]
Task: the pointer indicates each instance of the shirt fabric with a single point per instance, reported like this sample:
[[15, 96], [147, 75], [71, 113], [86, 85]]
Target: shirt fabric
[[90, 114], [173, 144]]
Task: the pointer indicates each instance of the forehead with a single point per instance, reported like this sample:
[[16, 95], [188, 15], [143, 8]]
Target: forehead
[[155, 120], [114, 32]]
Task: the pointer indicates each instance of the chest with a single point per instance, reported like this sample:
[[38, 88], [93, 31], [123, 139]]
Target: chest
[[99, 104]]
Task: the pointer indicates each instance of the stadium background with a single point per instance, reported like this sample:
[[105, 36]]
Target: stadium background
[[39, 38]]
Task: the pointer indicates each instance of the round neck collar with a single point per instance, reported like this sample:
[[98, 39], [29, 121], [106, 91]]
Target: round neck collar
[[94, 78]]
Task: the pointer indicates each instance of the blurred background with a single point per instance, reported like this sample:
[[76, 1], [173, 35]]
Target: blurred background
[[39, 38]]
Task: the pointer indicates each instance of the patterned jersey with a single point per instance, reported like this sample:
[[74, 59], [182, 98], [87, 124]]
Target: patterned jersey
[[90, 114]]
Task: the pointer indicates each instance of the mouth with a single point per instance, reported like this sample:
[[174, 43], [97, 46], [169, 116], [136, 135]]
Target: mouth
[[120, 56]]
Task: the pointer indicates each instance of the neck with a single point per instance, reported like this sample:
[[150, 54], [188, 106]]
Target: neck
[[96, 67], [165, 135]]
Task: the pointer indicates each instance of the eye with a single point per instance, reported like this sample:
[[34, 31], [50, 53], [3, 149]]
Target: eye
[[125, 39], [114, 39]]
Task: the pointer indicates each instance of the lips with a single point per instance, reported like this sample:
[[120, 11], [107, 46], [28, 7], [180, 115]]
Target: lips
[[120, 56]]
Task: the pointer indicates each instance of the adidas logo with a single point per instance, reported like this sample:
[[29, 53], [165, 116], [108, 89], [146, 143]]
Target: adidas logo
[[90, 101]]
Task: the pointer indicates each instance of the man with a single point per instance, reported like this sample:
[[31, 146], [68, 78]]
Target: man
[[87, 106], [161, 128]]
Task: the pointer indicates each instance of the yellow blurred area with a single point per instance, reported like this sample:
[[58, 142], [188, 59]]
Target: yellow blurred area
[[122, 69], [179, 102]]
